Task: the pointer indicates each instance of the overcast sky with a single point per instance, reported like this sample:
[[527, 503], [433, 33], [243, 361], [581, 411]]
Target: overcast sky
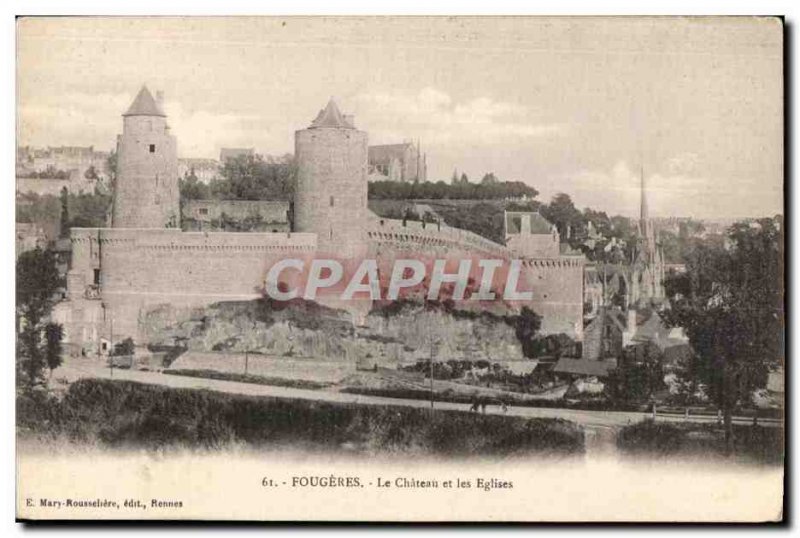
[[573, 105]]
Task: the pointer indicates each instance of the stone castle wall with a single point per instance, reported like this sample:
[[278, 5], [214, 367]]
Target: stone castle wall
[[556, 282], [142, 268]]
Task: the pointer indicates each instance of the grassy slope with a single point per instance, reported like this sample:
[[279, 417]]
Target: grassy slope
[[760, 444], [127, 414]]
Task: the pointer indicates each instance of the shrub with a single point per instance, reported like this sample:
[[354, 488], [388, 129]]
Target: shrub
[[125, 414]]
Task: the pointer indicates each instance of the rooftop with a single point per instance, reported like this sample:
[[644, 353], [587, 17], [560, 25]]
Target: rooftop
[[330, 117], [144, 105], [539, 224], [584, 367]]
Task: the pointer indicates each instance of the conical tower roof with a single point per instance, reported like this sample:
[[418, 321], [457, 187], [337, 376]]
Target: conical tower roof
[[330, 117], [144, 105]]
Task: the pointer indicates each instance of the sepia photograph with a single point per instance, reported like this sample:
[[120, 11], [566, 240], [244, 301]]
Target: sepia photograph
[[400, 269]]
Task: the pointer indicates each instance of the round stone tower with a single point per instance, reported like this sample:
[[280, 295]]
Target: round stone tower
[[330, 197], [146, 189]]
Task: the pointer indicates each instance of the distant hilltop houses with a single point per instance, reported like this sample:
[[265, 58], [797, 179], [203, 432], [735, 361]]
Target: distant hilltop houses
[[47, 170], [397, 162]]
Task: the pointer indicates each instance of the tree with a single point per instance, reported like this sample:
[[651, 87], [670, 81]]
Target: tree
[[563, 213], [464, 178], [253, 177], [37, 283], [489, 179], [638, 376], [53, 333], [730, 303], [124, 348], [526, 327], [64, 199], [192, 189]]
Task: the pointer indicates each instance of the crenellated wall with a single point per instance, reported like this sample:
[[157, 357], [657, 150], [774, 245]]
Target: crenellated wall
[[556, 282], [145, 267]]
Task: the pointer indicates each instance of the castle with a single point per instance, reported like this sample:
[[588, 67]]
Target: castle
[[145, 262]]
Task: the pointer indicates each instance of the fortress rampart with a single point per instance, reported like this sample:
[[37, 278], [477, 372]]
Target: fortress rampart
[[145, 262]]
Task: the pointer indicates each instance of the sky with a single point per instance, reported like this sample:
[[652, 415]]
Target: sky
[[585, 106]]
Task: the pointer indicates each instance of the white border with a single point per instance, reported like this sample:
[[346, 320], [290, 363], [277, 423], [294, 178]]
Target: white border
[[300, 7]]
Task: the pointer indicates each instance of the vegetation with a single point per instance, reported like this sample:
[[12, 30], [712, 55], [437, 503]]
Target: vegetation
[[491, 189], [125, 348], [730, 303], [250, 378], [246, 177], [126, 414], [638, 377], [64, 211], [662, 439], [39, 342], [51, 172]]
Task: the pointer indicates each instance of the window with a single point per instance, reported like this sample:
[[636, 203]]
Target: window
[[331, 201], [203, 211], [152, 148], [97, 277]]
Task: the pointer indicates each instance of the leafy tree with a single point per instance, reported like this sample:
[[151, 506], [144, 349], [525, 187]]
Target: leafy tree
[[64, 199], [192, 189], [527, 325], [53, 333], [638, 376], [253, 177], [489, 179], [37, 282], [563, 213], [124, 348], [730, 303], [91, 173]]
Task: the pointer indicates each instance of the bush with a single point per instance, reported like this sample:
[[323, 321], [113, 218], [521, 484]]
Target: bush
[[127, 414], [249, 378], [756, 443], [650, 437]]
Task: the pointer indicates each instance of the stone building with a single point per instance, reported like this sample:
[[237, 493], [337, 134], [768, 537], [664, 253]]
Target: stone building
[[143, 270], [647, 271], [398, 162], [330, 198], [235, 215], [146, 191], [530, 234]]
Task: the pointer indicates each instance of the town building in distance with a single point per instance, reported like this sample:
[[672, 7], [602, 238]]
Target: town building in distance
[[398, 162]]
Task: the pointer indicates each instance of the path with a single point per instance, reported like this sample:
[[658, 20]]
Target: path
[[74, 369]]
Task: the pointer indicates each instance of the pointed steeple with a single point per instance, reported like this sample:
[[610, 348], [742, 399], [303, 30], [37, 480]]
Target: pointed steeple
[[145, 105], [331, 117], [643, 210]]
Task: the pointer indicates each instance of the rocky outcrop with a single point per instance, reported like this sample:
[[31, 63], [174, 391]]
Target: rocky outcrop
[[307, 330]]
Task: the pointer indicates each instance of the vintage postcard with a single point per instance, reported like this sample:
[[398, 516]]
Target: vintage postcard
[[400, 269]]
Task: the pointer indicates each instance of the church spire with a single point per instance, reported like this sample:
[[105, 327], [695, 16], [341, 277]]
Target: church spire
[[643, 211]]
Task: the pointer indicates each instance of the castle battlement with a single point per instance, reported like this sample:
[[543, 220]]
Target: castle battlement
[[145, 261]]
